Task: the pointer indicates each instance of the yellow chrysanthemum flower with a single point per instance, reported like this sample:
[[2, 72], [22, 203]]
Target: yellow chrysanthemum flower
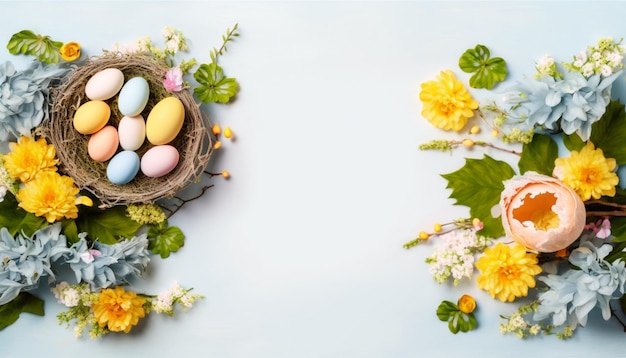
[[118, 310], [588, 172], [507, 272], [52, 196], [446, 102], [29, 157]]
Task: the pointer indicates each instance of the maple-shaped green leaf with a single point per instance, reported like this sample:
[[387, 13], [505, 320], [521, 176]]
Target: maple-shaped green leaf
[[478, 185], [608, 134], [486, 71], [539, 155], [165, 239], [24, 302], [27, 42], [107, 226], [214, 86]]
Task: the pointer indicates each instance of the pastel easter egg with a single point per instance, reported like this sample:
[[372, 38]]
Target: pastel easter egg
[[103, 144], [91, 116], [132, 132], [165, 121], [133, 96], [159, 160], [104, 84], [123, 167]]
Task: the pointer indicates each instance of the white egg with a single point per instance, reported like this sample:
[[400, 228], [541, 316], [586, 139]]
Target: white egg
[[132, 132], [104, 84]]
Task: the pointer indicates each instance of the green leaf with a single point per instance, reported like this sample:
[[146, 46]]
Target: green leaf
[[70, 230], [446, 309], [24, 302], [457, 320], [478, 185], [539, 155], [107, 226], [27, 42], [486, 71], [165, 239], [608, 133], [17, 220], [214, 86]]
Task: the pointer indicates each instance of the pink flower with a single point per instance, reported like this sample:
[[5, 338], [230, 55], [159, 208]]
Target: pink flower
[[601, 228], [541, 213], [173, 79]]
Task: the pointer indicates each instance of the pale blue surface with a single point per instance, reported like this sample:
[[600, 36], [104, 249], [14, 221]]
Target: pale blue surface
[[300, 253]]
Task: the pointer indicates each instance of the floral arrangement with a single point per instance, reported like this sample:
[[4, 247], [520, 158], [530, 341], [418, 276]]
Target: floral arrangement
[[547, 227], [53, 230]]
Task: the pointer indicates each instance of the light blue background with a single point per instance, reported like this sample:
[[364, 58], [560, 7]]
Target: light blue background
[[300, 253]]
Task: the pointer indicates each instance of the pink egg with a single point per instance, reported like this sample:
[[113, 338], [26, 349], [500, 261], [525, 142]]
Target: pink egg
[[159, 160], [103, 144]]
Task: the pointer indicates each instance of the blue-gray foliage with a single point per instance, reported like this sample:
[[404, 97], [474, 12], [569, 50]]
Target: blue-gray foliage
[[573, 294], [24, 260], [572, 104], [23, 96]]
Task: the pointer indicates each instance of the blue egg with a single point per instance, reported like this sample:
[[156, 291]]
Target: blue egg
[[123, 167], [133, 96]]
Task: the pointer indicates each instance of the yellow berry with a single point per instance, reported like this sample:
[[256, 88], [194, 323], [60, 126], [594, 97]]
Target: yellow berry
[[226, 174], [495, 132], [475, 130], [217, 145], [424, 235], [437, 228], [228, 132], [468, 143], [217, 130]]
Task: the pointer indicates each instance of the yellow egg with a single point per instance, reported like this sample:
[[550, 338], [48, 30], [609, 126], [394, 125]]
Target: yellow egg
[[165, 121], [91, 116]]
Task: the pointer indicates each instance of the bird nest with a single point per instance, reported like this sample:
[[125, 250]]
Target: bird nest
[[194, 141]]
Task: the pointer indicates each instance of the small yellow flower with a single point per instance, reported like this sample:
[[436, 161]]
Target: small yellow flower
[[588, 172], [70, 51], [507, 272], [446, 102], [118, 310], [52, 196], [467, 304], [29, 157], [146, 213]]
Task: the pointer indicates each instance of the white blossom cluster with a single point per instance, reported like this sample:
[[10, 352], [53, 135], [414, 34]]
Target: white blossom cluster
[[164, 302], [605, 58], [546, 67], [69, 295], [456, 257]]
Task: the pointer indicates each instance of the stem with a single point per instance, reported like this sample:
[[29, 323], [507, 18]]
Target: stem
[[620, 212], [226, 39], [486, 144], [606, 213], [605, 203]]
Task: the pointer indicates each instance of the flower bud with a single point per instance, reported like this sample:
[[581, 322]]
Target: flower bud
[[467, 304]]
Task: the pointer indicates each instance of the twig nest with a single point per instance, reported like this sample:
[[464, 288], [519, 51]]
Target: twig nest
[[194, 141]]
